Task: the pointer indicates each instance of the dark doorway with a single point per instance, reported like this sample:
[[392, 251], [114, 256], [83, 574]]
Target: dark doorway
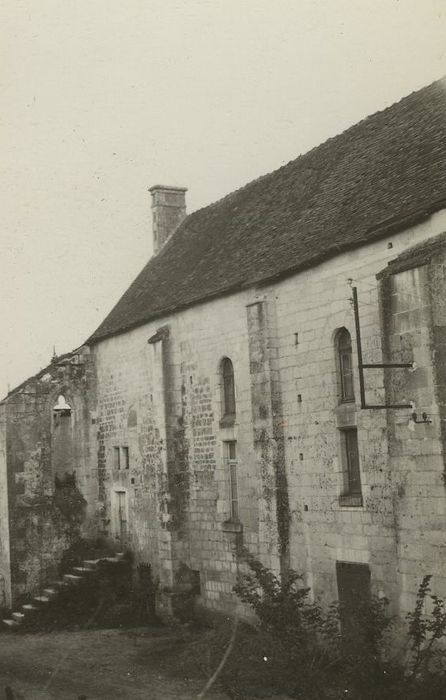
[[354, 594]]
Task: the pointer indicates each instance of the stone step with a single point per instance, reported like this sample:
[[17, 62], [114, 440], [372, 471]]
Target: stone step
[[113, 560], [18, 616], [50, 592], [41, 599], [29, 608], [72, 578], [59, 584], [91, 564], [94, 563], [82, 570], [11, 623]]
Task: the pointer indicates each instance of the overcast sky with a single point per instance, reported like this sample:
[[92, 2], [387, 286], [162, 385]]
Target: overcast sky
[[103, 98]]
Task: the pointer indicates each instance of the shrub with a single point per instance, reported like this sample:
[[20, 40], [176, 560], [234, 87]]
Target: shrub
[[295, 646], [426, 632], [309, 659], [302, 638]]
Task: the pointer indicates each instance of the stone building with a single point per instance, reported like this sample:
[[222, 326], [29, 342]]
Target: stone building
[[223, 398]]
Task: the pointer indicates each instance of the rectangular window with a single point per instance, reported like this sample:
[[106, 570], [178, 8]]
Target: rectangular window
[[116, 458], [231, 460], [352, 494], [125, 457], [346, 376]]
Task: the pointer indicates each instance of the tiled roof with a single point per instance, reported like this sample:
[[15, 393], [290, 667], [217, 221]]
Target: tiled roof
[[382, 174]]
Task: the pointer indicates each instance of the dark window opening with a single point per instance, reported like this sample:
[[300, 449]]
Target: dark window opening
[[345, 362], [196, 582], [121, 457], [228, 387], [352, 494]]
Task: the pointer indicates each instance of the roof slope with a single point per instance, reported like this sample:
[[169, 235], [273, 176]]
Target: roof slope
[[348, 191]]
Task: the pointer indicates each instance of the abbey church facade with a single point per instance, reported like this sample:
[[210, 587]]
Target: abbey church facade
[[274, 377]]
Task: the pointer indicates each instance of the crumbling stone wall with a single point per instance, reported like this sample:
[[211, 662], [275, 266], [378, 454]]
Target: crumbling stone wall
[[50, 502]]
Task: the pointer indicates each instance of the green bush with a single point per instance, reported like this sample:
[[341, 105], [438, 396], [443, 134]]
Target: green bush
[[296, 648]]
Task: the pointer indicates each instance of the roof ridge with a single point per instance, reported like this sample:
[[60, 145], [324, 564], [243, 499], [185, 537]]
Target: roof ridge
[[314, 148], [339, 195]]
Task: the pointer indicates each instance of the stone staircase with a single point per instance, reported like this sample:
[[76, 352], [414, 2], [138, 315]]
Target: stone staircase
[[30, 611]]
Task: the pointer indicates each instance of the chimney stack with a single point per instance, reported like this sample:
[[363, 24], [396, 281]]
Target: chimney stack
[[168, 211]]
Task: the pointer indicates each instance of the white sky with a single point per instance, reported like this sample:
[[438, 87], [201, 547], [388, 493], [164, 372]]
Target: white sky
[[103, 98]]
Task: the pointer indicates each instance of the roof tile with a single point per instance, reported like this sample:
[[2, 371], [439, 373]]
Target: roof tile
[[386, 171]]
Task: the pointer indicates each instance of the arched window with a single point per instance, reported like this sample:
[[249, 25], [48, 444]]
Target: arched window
[[62, 439], [345, 365], [61, 407], [227, 371]]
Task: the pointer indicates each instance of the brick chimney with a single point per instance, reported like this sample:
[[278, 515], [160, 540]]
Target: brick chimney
[[168, 210]]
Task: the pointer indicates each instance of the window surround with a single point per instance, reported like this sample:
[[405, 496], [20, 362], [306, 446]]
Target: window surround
[[227, 383], [230, 461], [352, 487], [344, 364], [231, 464], [121, 458]]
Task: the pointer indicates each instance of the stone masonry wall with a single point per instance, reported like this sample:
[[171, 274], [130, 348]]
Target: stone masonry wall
[[177, 492], [415, 322], [315, 305], [162, 400], [47, 508]]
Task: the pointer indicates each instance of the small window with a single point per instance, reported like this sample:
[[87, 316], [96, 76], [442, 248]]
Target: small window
[[125, 457], [227, 371], [352, 494], [231, 460], [345, 365], [121, 457]]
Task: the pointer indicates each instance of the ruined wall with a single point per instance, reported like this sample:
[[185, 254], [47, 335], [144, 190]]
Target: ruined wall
[[162, 400], [52, 500]]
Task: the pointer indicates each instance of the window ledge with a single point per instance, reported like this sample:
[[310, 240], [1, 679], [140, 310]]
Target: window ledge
[[227, 421], [232, 526], [354, 500]]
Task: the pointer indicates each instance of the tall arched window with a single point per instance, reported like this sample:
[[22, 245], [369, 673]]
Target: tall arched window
[[227, 371], [62, 439], [345, 365]]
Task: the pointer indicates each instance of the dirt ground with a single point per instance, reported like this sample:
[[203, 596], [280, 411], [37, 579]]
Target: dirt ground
[[97, 664]]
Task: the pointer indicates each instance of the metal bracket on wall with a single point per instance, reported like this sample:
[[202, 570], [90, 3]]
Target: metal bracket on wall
[[362, 366], [424, 418]]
